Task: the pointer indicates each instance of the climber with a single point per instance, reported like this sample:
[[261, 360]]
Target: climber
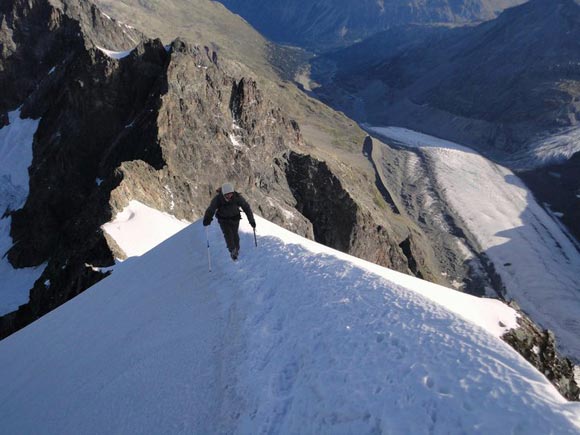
[[226, 207]]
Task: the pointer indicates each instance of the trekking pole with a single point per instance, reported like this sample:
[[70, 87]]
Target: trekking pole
[[208, 253], [255, 239]]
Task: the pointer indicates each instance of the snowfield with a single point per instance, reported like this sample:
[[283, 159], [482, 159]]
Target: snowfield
[[536, 259], [138, 228], [293, 338], [15, 157]]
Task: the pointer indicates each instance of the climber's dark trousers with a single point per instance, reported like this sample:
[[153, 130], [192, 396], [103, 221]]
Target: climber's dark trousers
[[230, 229]]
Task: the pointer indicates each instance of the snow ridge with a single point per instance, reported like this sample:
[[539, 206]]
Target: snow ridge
[[293, 338]]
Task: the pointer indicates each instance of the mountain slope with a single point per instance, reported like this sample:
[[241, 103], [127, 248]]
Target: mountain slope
[[199, 21], [496, 86], [294, 337], [509, 87], [180, 119], [326, 23], [536, 262]]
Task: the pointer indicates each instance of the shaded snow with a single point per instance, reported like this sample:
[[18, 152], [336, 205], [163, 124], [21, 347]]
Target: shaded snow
[[15, 158], [15, 284], [293, 338], [536, 260]]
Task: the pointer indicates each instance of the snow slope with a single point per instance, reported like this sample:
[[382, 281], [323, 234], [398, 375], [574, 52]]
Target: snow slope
[[15, 158], [138, 228], [536, 260], [293, 338]]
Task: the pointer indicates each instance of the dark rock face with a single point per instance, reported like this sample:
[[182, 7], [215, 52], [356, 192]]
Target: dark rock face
[[69, 150], [35, 35], [322, 200], [326, 23], [559, 187], [539, 348], [340, 223]]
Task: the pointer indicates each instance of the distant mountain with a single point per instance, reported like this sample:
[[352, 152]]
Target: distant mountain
[[318, 24], [515, 77], [504, 87]]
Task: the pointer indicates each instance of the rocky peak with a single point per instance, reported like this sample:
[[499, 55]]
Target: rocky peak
[[97, 27], [155, 124], [38, 35]]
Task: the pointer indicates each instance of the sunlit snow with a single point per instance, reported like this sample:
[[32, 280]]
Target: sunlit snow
[[537, 261], [293, 338], [139, 228]]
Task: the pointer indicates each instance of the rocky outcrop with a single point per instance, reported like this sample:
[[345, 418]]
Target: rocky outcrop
[[558, 186], [322, 200], [339, 222], [538, 347]]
